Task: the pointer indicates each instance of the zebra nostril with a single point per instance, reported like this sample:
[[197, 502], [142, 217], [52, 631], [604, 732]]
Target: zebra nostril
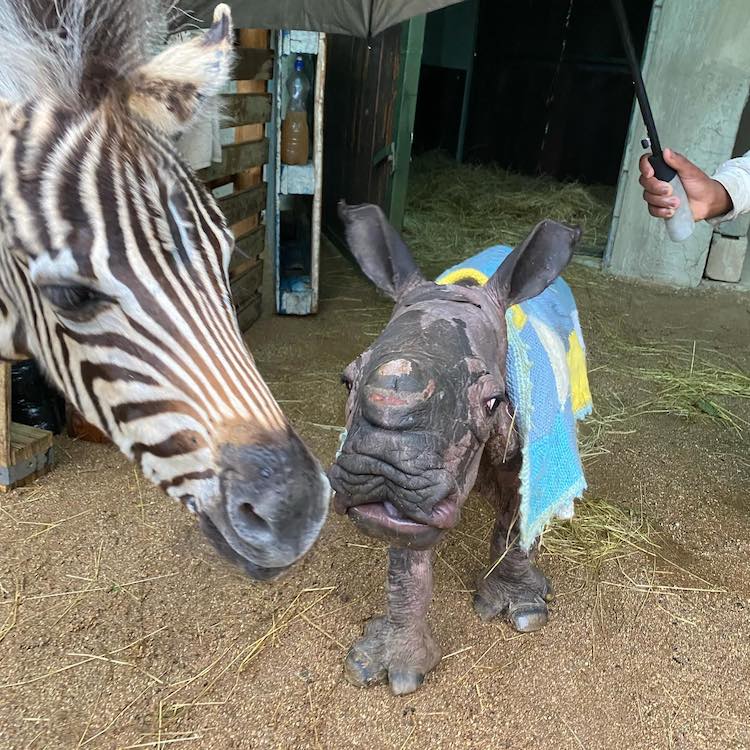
[[248, 522]]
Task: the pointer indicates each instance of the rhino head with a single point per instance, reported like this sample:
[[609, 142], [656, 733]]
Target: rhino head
[[428, 397]]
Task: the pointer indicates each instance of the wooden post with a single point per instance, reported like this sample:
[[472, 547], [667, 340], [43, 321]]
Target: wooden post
[[412, 44], [318, 133], [252, 39], [5, 407]]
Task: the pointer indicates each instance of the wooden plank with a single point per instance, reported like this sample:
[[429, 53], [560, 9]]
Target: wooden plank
[[321, 70], [243, 261], [237, 157], [28, 442], [31, 456], [248, 284], [244, 203], [694, 55], [252, 39], [252, 243], [247, 109], [253, 64], [23, 434], [5, 410], [241, 266], [249, 313]]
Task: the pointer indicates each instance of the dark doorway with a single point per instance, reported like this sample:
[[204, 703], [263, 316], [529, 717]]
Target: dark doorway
[[549, 90]]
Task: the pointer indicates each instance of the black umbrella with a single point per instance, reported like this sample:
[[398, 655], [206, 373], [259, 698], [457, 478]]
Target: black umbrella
[[362, 18]]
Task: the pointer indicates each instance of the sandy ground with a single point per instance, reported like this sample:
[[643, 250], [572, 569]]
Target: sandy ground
[[119, 626]]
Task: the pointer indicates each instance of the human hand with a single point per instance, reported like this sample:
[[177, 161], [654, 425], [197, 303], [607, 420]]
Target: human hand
[[708, 198]]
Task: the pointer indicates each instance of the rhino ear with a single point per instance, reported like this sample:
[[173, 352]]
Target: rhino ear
[[535, 263], [379, 249]]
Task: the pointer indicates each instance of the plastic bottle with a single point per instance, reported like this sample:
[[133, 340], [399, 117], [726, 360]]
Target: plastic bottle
[[295, 135]]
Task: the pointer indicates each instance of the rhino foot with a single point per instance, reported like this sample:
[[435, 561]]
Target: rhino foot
[[518, 592], [386, 653]]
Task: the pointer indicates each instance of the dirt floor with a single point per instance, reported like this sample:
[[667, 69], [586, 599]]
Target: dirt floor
[[120, 628]]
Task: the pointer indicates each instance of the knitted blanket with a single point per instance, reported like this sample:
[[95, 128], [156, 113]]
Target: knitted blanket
[[548, 387]]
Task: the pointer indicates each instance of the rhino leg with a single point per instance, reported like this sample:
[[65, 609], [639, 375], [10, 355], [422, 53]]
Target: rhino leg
[[512, 586], [399, 647]]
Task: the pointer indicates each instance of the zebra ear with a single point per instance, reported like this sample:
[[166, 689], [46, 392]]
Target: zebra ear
[[5, 108], [171, 89]]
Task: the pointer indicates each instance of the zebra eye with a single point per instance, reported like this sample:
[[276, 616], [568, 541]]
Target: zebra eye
[[71, 299]]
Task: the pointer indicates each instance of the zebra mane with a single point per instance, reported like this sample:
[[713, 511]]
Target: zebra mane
[[72, 51]]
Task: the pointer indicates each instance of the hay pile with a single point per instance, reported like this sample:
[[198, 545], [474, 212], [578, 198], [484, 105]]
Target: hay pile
[[455, 210], [598, 532], [687, 379]]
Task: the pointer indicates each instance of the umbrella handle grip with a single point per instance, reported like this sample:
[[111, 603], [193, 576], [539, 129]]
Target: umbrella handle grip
[[681, 225]]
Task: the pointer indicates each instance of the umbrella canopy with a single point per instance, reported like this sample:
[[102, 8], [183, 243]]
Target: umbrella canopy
[[362, 18]]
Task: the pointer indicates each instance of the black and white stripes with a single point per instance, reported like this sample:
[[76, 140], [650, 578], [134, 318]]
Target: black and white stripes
[[113, 271]]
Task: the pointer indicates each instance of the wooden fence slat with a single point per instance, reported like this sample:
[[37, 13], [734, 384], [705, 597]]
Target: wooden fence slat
[[244, 203], [248, 284], [246, 109], [249, 312], [237, 157], [252, 243], [5, 409], [246, 253], [253, 64]]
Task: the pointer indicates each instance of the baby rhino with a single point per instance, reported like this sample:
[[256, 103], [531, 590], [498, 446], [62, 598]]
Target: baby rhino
[[428, 419]]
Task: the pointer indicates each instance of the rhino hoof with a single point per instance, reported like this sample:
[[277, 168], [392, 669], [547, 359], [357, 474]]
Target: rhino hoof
[[528, 618], [486, 609], [404, 681], [386, 653], [361, 670]]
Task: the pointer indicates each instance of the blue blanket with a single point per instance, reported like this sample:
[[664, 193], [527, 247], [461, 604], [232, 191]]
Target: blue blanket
[[548, 386]]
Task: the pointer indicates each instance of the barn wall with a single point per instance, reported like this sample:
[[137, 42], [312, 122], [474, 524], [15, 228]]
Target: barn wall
[[696, 72]]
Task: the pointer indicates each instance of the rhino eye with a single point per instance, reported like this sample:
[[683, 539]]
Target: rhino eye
[[492, 403], [347, 382]]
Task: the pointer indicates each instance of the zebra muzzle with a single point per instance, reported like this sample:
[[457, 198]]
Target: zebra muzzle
[[273, 502]]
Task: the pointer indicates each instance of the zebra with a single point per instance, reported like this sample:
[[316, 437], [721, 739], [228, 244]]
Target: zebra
[[114, 268]]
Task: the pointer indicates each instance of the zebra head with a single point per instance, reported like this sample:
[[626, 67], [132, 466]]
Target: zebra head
[[114, 269]]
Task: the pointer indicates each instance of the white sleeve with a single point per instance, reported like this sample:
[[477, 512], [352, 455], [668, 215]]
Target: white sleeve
[[734, 175]]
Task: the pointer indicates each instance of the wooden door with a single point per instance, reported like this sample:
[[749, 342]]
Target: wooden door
[[371, 90]]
